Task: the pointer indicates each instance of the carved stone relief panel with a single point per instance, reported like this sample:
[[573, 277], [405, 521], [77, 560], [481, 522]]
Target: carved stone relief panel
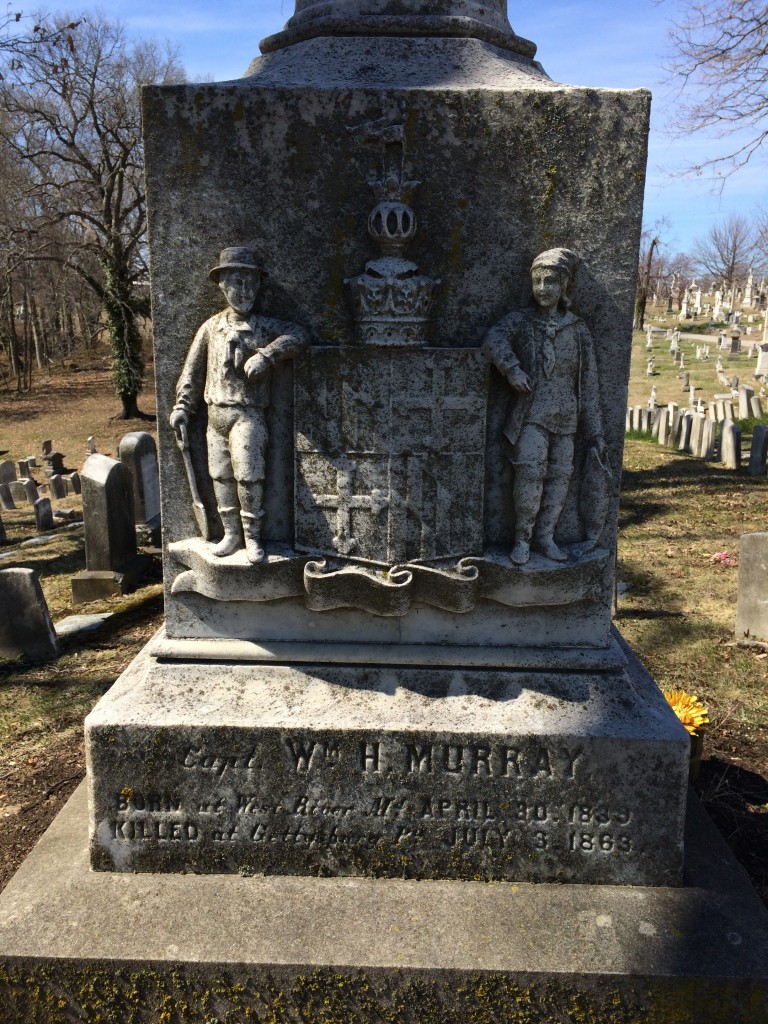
[[390, 453]]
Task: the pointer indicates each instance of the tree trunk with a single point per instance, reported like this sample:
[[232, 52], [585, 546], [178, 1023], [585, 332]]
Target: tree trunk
[[643, 286], [34, 323], [124, 341], [13, 341]]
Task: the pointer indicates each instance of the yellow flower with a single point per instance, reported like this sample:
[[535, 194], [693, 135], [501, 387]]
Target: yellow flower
[[689, 709]]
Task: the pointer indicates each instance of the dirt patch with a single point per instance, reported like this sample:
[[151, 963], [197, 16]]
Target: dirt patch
[[734, 788], [33, 789]]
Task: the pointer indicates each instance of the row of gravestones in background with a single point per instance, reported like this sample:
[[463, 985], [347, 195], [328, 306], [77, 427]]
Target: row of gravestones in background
[[121, 501], [701, 435]]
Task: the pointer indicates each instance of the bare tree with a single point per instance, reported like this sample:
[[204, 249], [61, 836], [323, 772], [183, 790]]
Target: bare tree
[[20, 34], [727, 251], [721, 59], [71, 117], [651, 268]]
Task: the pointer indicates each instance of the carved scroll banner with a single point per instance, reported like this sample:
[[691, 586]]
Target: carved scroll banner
[[326, 586], [388, 593]]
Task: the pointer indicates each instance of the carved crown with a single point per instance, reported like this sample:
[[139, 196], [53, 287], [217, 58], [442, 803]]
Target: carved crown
[[392, 302]]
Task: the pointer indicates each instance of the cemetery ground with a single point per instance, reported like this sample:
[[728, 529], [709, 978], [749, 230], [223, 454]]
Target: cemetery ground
[[681, 519], [42, 706]]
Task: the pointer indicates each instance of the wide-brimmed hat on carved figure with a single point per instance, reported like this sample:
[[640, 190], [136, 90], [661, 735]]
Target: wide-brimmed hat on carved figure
[[237, 257]]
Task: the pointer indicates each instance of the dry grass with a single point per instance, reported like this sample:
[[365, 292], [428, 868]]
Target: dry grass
[[68, 407]]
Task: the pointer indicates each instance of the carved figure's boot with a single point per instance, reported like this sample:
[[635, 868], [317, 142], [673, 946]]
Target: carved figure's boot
[[552, 502], [251, 498], [254, 552], [227, 504], [526, 494]]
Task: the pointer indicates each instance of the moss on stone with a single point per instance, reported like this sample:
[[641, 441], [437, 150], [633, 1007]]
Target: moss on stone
[[165, 994]]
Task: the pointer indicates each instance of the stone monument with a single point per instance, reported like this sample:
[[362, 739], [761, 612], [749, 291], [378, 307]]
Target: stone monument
[[389, 476]]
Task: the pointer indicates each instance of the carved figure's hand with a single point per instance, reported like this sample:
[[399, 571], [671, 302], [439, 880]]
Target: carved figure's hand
[[256, 366], [598, 443], [519, 380], [179, 421]]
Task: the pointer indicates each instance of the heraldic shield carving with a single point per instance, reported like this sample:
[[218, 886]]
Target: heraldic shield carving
[[390, 453]]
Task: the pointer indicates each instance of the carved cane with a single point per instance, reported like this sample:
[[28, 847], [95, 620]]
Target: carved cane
[[182, 439]]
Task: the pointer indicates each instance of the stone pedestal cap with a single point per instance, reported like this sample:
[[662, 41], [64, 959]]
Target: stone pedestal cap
[[479, 19]]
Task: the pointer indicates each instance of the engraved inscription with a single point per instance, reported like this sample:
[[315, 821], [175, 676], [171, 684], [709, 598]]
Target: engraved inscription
[[304, 798]]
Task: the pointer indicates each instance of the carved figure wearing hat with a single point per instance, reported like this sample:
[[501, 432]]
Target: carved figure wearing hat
[[229, 367], [547, 355]]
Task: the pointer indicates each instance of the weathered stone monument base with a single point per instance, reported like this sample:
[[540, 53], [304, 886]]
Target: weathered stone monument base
[[136, 949], [98, 584], [388, 771]]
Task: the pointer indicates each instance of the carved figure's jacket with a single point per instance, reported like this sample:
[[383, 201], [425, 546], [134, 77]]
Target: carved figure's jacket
[[518, 341], [214, 365]]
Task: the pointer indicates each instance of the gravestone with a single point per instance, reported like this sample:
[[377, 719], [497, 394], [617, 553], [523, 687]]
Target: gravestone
[[112, 564], [697, 433], [6, 498], [730, 445], [138, 452], [24, 490], [7, 472], [746, 394], [58, 486], [675, 428], [389, 445], [657, 416], [3, 534], [663, 429], [44, 515], [684, 439], [388, 655], [752, 596], [756, 407], [74, 480], [23, 468], [758, 451], [54, 464], [708, 439], [26, 629], [370, 500]]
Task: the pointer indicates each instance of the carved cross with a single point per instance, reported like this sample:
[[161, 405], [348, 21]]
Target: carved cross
[[436, 401], [345, 501]]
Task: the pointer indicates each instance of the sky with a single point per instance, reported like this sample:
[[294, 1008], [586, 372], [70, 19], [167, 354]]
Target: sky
[[581, 42]]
